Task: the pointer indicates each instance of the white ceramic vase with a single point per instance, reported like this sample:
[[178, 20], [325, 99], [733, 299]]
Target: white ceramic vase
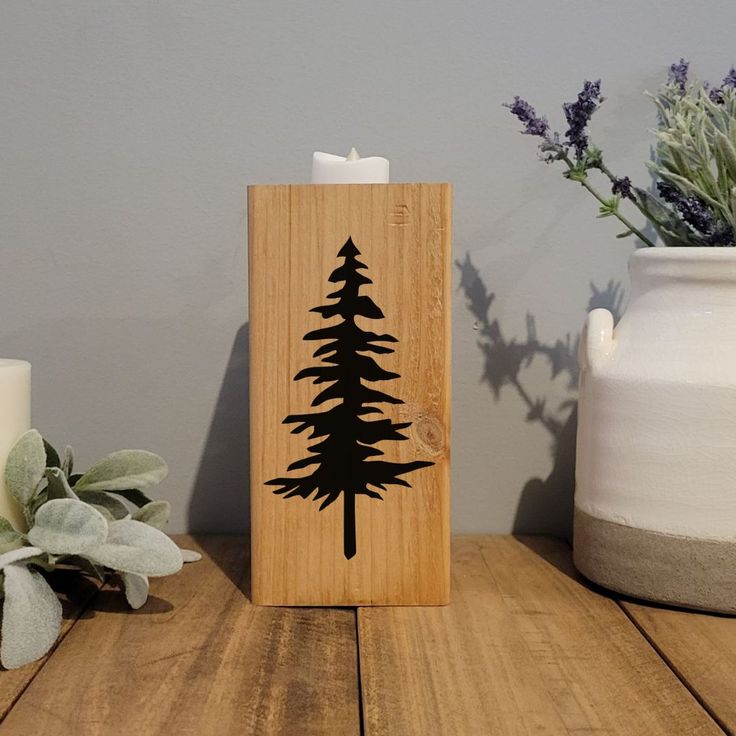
[[655, 500]]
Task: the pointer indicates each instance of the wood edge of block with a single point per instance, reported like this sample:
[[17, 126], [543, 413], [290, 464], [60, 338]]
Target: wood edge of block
[[433, 603], [445, 184]]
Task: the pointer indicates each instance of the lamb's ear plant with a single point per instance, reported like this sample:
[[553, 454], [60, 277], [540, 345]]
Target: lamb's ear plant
[[692, 201], [98, 522]]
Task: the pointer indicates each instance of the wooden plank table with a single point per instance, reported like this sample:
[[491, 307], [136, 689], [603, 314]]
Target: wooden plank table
[[525, 647]]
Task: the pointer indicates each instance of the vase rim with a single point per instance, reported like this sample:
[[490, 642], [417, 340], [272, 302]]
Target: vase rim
[[707, 265], [685, 253]]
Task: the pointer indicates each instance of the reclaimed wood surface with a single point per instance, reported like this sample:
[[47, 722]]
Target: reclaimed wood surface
[[198, 658], [523, 648], [403, 234], [701, 648]]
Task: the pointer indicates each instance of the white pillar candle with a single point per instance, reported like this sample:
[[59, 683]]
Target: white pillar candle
[[15, 419], [351, 169]]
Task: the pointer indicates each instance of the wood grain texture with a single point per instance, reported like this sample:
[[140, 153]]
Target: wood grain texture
[[75, 594], [403, 234], [701, 648], [523, 648], [198, 658]]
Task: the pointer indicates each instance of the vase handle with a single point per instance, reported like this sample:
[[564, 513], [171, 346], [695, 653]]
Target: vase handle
[[597, 340]]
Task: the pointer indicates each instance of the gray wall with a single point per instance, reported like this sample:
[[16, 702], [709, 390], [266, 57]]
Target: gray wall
[[130, 130]]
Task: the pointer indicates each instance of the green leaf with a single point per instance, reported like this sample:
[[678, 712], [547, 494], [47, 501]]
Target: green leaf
[[610, 207], [25, 466], [67, 526], [136, 589], [9, 537], [123, 470], [576, 175], [727, 151], [670, 228], [133, 546], [625, 234], [52, 457], [155, 514], [31, 617], [67, 464], [58, 485], [101, 500]]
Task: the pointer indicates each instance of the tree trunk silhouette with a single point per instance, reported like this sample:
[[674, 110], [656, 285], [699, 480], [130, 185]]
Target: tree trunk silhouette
[[346, 439], [348, 526]]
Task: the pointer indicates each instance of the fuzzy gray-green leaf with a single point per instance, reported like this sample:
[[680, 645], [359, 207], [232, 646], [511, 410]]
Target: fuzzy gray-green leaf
[[9, 538], [58, 485], [67, 526], [25, 466], [18, 555], [101, 500], [31, 617], [86, 565], [190, 555], [67, 462], [136, 497], [133, 546], [52, 457], [136, 589], [155, 514], [123, 470]]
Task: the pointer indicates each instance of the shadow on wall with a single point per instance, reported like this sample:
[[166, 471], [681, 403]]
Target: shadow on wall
[[221, 494], [545, 505]]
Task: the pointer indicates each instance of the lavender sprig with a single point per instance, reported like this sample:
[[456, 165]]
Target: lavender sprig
[[533, 124], [695, 158], [579, 113]]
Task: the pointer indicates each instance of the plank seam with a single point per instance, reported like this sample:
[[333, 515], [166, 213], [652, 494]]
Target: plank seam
[[675, 670], [361, 717], [670, 664], [47, 657]]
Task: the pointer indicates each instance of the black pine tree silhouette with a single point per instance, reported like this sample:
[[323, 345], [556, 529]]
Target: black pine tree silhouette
[[346, 438]]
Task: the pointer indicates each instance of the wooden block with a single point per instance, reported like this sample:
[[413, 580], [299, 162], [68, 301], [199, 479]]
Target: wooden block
[[198, 658], [375, 262], [701, 648], [524, 647]]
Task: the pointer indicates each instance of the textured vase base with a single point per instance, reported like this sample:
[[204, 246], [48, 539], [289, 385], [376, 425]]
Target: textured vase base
[[671, 569]]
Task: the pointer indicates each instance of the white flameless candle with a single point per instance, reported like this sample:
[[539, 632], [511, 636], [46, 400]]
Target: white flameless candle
[[351, 169], [15, 419]]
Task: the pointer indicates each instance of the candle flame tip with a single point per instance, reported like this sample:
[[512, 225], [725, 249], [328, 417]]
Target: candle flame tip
[[353, 155]]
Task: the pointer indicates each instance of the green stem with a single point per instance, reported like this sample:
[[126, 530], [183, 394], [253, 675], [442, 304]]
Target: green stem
[[625, 221], [607, 172]]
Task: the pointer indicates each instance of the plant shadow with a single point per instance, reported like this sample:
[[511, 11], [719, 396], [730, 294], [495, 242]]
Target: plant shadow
[[112, 600], [545, 504]]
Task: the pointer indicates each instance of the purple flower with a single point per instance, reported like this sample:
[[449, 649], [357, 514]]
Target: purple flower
[[578, 115], [622, 186], [533, 123], [730, 79], [716, 94], [678, 74], [693, 210]]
